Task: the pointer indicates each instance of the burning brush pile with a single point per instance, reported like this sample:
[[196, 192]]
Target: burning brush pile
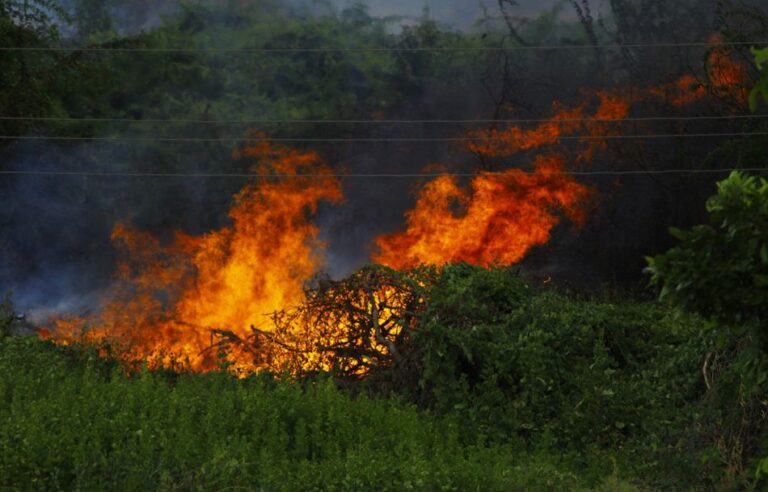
[[251, 296]]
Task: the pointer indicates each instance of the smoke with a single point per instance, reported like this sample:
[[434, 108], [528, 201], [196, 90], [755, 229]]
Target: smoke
[[458, 14], [55, 252], [132, 16]]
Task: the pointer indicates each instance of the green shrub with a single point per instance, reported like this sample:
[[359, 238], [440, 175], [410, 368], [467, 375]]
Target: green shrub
[[537, 366], [761, 88], [519, 390], [720, 270]]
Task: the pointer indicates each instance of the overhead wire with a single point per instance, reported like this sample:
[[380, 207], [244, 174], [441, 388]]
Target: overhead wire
[[381, 122], [372, 175], [125, 49], [370, 139], [359, 121]]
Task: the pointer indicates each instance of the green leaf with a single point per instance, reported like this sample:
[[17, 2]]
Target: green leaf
[[761, 56], [761, 88]]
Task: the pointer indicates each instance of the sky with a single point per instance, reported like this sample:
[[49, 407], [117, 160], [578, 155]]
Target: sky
[[460, 13]]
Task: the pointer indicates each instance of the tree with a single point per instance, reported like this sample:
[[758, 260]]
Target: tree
[[720, 269], [37, 16], [92, 17], [354, 327], [25, 78]]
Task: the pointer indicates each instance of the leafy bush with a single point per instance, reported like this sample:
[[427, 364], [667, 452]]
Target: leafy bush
[[539, 367], [528, 390], [761, 89], [720, 270]]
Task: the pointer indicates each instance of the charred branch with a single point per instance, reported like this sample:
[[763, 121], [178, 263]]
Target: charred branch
[[584, 13], [504, 5]]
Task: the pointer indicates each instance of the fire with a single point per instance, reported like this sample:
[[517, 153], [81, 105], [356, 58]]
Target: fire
[[349, 326], [498, 217], [514, 139], [168, 298], [496, 221], [242, 289], [610, 107], [726, 76]]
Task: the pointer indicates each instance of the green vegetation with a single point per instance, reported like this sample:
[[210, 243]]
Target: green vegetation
[[720, 270], [761, 88], [72, 422], [541, 367], [516, 390]]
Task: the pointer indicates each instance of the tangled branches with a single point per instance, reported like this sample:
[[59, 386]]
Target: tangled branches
[[347, 327]]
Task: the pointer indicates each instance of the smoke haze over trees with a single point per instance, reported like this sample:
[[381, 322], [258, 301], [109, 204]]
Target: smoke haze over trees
[[55, 250]]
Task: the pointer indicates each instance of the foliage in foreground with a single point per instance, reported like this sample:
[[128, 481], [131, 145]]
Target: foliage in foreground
[[536, 363], [517, 388], [517, 364], [71, 423], [720, 270]]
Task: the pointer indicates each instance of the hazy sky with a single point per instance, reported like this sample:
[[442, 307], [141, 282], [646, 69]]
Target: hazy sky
[[462, 13]]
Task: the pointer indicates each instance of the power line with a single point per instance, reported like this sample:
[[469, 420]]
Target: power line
[[372, 139], [380, 122], [380, 50], [378, 175]]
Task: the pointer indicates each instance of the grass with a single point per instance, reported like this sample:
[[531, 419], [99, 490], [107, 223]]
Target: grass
[[78, 423]]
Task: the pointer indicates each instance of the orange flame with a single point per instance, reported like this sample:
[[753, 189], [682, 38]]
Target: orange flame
[[168, 298], [501, 216], [496, 221], [726, 76]]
